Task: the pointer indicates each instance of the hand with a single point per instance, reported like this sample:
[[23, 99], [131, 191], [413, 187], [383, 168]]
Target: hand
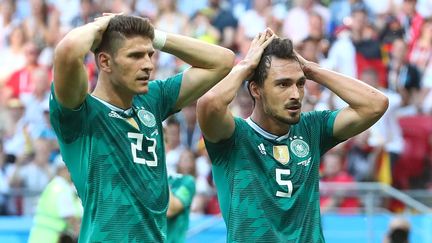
[[306, 66], [101, 24], [256, 49]]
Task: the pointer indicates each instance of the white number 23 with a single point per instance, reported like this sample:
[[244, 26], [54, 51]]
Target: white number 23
[[138, 146]]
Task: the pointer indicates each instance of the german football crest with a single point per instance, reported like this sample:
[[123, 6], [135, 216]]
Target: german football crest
[[299, 147], [281, 154], [147, 118]]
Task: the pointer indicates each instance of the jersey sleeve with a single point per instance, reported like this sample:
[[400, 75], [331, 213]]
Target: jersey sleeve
[[166, 92], [327, 140], [186, 191], [220, 152], [68, 124]]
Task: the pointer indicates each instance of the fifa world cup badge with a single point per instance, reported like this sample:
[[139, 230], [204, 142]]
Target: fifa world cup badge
[[281, 154]]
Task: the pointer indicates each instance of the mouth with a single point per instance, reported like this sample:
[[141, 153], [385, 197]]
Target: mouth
[[293, 108], [143, 79]]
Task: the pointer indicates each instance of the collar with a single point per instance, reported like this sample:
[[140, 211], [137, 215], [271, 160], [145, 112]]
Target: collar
[[264, 133], [126, 113]]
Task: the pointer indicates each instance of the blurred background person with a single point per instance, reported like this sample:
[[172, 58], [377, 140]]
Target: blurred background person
[[59, 209], [398, 232], [182, 191]]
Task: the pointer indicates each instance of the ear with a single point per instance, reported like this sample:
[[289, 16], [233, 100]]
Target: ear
[[105, 61], [254, 90]]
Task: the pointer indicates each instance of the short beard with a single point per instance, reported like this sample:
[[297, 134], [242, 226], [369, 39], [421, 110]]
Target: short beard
[[281, 119]]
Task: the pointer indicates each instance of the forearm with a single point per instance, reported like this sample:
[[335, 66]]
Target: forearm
[[224, 92], [175, 206], [359, 96], [198, 53], [78, 42]]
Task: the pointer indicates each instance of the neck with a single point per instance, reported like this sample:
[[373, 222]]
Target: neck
[[268, 123], [112, 95]]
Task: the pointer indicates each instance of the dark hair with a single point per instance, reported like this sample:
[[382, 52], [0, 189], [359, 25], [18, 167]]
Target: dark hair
[[122, 27], [399, 235], [280, 48]]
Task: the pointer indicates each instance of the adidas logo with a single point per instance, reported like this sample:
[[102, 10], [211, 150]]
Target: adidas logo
[[114, 114], [262, 149]]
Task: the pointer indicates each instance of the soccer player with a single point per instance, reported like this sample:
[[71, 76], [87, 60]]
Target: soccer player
[[266, 166], [111, 140], [182, 191]]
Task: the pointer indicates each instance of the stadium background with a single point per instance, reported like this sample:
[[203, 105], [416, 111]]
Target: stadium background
[[380, 175]]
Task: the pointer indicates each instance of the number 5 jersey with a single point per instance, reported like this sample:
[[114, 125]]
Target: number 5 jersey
[[268, 186]]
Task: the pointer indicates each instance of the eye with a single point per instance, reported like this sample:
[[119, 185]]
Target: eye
[[301, 83], [283, 85], [135, 55]]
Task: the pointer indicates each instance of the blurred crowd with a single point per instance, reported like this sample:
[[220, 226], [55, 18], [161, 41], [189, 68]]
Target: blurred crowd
[[386, 43]]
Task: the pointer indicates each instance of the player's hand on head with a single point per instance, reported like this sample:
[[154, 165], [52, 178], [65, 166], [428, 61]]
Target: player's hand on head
[[306, 65], [102, 23], [256, 49]]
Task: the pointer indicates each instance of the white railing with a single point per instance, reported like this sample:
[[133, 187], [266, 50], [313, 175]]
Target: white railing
[[371, 192]]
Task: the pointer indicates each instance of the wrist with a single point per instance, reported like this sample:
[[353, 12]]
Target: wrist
[[245, 67], [159, 39], [310, 70]]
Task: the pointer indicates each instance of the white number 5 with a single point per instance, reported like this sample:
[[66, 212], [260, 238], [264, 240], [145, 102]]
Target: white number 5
[[138, 146], [288, 183]]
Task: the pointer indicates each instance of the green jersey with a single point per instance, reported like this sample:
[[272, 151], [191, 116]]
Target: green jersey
[[183, 188], [118, 170], [268, 186]]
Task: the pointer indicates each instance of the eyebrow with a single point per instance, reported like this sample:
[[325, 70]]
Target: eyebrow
[[134, 52], [303, 78]]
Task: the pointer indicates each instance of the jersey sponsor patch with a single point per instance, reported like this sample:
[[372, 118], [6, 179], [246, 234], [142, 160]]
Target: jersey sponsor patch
[[281, 154], [147, 118]]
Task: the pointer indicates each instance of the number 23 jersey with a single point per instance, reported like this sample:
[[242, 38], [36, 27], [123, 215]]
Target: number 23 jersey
[[268, 186], [119, 171]]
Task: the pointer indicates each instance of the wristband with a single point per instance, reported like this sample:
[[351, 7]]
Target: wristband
[[159, 39]]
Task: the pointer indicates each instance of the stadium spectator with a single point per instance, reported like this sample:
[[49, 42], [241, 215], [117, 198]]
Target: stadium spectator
[[18, 144], [20, 82], [421, 52], [37, 24], [8, 20], [86, 14], [190, 132], [13, 54], [173, 147], [223, 19], [35, 101], [360, 160], [398, 231], [30, 178], [299, 20], [202, 28], [252, 22], [336, 201], [59, 209], [403, 77], [170, 20], [385, 135]]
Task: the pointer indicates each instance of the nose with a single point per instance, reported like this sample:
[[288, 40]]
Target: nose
[[147, 65], [294, 92]]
